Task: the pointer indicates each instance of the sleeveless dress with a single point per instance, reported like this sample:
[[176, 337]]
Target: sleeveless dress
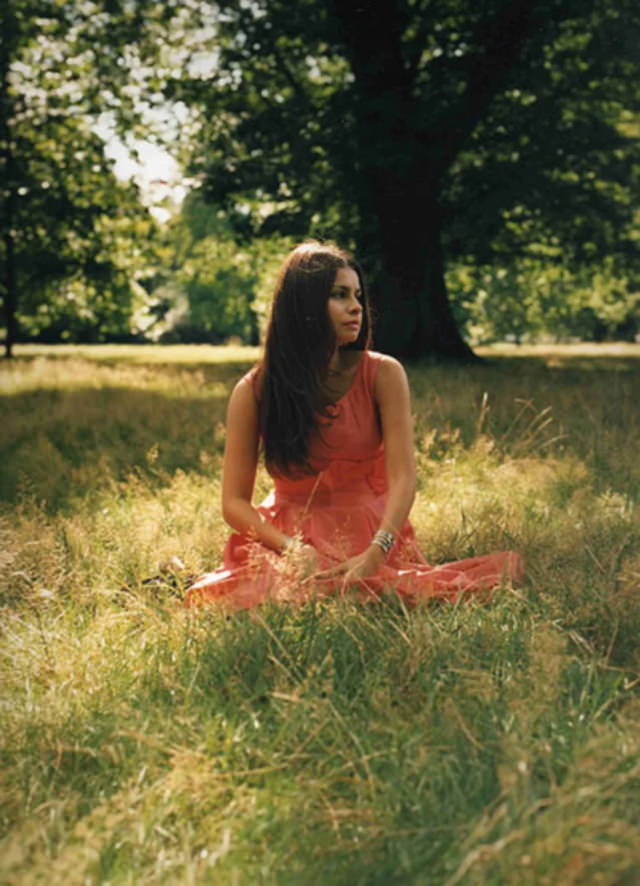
[[338, 510]]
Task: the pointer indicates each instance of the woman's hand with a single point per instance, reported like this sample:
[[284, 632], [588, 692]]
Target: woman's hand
[[307, 560], [353, 569], [302, 558]]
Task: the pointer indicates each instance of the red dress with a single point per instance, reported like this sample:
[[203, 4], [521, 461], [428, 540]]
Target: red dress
[[338, 510]]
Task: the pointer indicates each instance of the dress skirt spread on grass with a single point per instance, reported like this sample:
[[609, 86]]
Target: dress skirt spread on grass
[[338, 510]]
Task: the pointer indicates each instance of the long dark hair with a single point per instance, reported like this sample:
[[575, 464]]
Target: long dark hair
[[299, 343]]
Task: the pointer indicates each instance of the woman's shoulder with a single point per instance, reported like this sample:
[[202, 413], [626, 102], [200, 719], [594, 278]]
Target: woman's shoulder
[[251, 381], [244, 402], [384, 376], [379, 358], [379, 364]]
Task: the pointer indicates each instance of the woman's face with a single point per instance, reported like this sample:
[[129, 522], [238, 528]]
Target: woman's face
[[345, 306]]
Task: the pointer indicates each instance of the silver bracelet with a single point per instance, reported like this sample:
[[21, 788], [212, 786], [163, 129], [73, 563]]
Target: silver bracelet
[[384, 539]]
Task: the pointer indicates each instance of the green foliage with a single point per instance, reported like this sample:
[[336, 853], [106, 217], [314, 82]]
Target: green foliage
[[534, 300], [74, 241], [333, 742], [502, 137], [492, 133], [218, 282], [215, 287]]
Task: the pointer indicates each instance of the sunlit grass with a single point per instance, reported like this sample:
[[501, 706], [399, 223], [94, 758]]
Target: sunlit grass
[[164, 354], [333, 743], [551, 350]]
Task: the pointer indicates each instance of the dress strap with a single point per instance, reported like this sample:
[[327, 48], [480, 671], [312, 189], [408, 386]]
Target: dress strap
[[371, 361]]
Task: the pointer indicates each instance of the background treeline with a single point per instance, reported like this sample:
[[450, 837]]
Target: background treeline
[[483, 163]]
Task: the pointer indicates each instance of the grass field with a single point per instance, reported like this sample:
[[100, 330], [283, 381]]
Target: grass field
[[334, 743]]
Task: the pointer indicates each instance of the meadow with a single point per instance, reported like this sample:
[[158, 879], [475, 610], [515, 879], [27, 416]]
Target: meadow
[[337, 742]]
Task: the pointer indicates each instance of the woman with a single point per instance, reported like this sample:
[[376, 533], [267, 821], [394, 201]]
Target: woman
[[334, 422]]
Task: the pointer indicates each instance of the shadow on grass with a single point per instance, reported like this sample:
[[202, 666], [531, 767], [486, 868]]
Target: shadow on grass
[[59, 445], [71, 429]]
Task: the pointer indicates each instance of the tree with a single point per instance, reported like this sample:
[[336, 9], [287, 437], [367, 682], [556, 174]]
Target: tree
[[211, 285], [538, 298], [420, 131], [63, 214]]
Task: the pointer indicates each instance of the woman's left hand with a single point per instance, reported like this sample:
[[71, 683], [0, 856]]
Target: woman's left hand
[[360, 566]]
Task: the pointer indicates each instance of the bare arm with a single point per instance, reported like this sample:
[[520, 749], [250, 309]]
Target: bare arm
[[392, 394], [392, 397], [239, 470]]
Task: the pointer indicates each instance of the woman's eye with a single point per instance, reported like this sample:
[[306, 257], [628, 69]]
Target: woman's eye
[[342, 294]]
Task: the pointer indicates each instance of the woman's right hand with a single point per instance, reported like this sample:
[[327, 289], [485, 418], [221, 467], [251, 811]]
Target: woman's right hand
[[307, 560], [303, 558]]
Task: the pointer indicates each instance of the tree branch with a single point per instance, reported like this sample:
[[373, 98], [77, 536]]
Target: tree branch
[[291, 79], [417, 46], [374, 45], [501, 40]]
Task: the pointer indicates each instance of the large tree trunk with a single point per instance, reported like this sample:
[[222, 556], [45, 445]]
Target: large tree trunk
[[403, 249], [10, 299], [9, 30], [10, 281], [412, 315], [399, 178]]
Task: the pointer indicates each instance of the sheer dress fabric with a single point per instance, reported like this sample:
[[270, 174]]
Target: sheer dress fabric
[[338, 510]]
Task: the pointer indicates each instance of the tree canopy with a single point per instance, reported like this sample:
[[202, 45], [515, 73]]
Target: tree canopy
[[426, 135], [72, 236], [418, 132]]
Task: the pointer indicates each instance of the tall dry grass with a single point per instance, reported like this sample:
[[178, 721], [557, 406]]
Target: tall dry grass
[[332, 743]]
